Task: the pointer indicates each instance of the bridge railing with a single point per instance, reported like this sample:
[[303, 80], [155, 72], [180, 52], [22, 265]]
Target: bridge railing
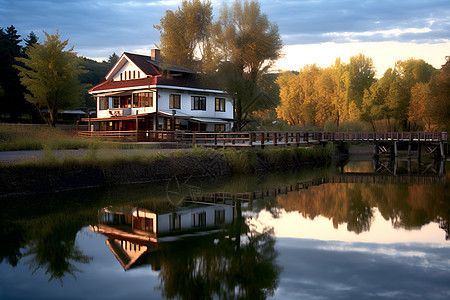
[[262, 138]]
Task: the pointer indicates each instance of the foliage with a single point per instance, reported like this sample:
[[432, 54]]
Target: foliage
[[420, 109], [390, 97], [186, 32], [430, 102], [12, 101], [95, 75], [249, 44], [440, 87], [361, 77], [50, 74]]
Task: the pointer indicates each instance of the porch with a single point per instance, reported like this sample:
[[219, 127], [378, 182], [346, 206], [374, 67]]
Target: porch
[[133, 135]]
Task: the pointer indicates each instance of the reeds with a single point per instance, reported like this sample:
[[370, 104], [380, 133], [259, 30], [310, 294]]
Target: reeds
[[38, 137]]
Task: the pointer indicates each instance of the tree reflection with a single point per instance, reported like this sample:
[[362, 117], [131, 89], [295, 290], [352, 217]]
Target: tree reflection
[[238, 265], [360, 214], [55, 250], [12, 239], [408, 206]]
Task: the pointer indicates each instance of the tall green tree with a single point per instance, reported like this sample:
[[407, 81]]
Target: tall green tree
[[185, 34], [407, 74], [12, 102], [30, 40], [249, 44], [50, 73], [362, 76]]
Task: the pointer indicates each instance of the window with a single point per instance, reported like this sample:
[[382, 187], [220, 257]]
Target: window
[[220, 104], [199, 220], [219, 128], [134, 74], [175, 101], [198, 103], [219, 216], [143, 100], [103, 103], [174, 222], [116, 102], [120, 76]]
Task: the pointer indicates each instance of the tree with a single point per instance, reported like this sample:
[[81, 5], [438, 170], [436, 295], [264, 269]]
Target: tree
[[186, 33], [439, 86], [12, 102], [407, 74], [112, 59], [419, 111], [31, 39], [50, 74], [361, 75], [248, 44], [305, 98]]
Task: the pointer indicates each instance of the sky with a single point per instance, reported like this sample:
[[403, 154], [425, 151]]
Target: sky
[[313, 31]]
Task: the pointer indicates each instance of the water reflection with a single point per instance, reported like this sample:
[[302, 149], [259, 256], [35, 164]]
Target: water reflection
[[200, 251], [223, 238]]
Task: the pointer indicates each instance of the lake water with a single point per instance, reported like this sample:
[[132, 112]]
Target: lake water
[[362, 230]]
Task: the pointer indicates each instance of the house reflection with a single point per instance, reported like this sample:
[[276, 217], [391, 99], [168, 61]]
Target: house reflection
[[133, 232]]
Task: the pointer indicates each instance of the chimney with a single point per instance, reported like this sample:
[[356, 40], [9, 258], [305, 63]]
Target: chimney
[[156, 55]]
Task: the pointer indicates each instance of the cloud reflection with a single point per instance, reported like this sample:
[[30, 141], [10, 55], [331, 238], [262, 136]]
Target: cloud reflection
[[336, 270]]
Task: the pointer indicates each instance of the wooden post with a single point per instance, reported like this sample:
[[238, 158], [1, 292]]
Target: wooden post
[[215, 139], [250, 139], [262, 140], [375, 149], [297, 138], [274, 138], [286, 138], [419, 150], [193, 139], [395, 149]]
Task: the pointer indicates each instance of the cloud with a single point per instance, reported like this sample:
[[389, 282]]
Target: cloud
[[305, 22], [96, 27]]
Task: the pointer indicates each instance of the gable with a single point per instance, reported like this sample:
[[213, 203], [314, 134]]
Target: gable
[[132, 66]]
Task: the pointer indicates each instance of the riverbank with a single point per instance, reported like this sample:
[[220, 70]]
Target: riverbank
[[50, 174]]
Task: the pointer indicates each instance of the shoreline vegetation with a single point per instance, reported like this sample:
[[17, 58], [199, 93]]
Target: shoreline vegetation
[[94, 169], [40, 137]]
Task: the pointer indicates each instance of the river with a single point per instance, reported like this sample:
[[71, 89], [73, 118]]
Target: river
[[360, 230]]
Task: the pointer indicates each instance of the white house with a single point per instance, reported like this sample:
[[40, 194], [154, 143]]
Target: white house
[[143, 93]]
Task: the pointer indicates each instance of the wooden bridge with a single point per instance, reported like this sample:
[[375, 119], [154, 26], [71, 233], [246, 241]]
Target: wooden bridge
[[384, 142]]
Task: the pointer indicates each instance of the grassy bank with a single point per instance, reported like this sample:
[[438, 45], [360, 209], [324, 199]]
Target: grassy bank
[[38, 137], [50, 174]]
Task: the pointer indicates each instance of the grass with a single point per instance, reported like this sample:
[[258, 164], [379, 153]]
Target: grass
[[36, 137]]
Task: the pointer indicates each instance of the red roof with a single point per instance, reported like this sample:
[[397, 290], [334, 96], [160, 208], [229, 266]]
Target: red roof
[[157, 73], [123, 84], [144, 63]]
